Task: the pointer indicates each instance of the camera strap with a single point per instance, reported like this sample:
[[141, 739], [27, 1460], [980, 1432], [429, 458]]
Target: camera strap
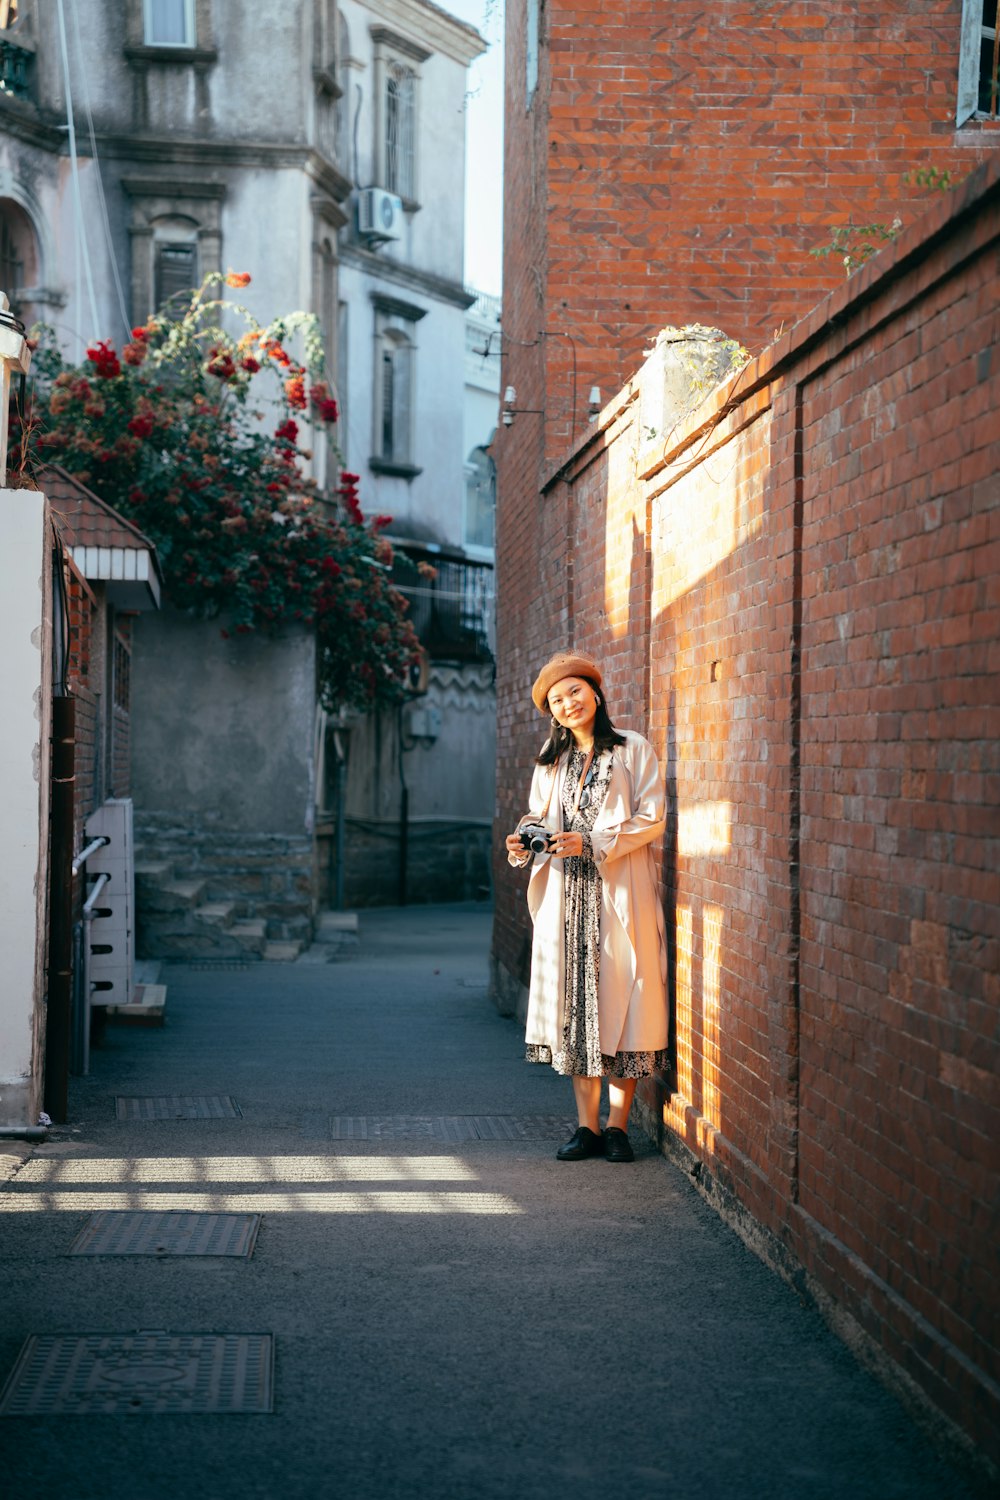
[[583, 780]]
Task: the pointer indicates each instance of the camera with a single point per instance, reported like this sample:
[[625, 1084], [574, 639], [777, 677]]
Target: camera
[[534, 837]]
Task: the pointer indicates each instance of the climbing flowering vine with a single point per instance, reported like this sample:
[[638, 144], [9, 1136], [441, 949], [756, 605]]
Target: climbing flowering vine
[[195, 434]]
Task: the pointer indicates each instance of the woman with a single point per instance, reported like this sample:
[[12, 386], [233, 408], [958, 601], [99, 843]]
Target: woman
[[597, 1002]]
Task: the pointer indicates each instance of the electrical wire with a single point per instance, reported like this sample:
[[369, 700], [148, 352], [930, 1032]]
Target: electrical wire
[[82, 249], [97, 168]]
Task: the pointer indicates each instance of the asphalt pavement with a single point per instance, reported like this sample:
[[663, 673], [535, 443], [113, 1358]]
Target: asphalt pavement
[[454, 1313]]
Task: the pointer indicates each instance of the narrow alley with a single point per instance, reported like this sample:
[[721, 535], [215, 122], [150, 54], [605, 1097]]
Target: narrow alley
[[431, 1305]]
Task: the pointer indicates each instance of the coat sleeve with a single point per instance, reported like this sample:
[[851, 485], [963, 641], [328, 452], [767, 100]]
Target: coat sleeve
[[537, 798], [640, 816]]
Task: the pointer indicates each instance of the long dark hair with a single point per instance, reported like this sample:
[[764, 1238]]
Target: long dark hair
[[560, 739]]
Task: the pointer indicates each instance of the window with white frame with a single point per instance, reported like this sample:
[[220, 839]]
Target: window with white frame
[[400, 124], [395, 359], [978, 88], [532, 39], [397, 86], [169, 23]]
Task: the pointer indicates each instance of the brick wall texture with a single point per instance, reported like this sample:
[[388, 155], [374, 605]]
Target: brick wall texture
[[795, 595], [678, 163]]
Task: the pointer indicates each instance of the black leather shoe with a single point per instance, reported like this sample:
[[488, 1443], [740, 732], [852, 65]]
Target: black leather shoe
[[617, 1146], [582, 1143]]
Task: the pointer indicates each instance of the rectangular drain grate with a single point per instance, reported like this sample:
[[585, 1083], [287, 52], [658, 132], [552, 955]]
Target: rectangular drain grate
[[450, 1128], [170, 1233], [178, 1107], [114, 1374]]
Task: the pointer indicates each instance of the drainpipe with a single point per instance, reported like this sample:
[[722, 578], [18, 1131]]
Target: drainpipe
[[59, 1006], [404, 811], [341, 785]]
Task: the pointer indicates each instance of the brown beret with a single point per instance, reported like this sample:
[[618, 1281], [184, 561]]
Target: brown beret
[[563, 664]]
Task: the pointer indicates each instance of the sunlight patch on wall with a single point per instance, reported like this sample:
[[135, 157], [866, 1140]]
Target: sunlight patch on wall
[[685, 1041], [708, 513], [711, 970], [624, 536], [704, 828]]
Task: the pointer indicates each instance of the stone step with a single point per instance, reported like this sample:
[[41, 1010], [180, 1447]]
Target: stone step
[[146, 1008], [173, 895], [335, 924], [281, 953], [251, 936], [216, 913], [159, 871]]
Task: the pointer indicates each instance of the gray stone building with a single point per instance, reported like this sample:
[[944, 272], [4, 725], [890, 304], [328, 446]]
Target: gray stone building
[[144, 143]]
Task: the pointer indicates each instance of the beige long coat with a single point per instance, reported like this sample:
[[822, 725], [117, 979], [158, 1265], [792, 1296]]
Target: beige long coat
[[631, 998]]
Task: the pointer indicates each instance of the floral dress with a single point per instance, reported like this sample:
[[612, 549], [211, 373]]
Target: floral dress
[[580, 1053]]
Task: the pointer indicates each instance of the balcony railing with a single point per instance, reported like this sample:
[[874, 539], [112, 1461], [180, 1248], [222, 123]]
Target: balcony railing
[[15, 63], [453, 612]]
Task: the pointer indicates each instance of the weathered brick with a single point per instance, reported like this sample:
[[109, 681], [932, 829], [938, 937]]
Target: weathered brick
[[833, 959]]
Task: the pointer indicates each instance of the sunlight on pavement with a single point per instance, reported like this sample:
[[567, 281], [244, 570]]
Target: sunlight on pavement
[[47, 1201], [274, 1169], [87, 1186]]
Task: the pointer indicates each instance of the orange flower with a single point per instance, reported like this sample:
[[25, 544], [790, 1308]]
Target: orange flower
[[295, 392], [238, 278]]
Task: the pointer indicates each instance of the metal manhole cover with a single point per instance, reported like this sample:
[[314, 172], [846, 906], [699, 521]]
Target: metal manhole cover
[[154, 1373], [170, 1233], [448, 1127], [178, 1107]]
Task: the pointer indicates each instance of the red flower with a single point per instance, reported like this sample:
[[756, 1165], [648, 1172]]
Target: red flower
[[348, 492], [141, 426], [250, 364], [222, 367], [238, 278], [295, 393], [323, 403], [140, 335], [380, 522], [105, 360], [134, 354], [288, 432]]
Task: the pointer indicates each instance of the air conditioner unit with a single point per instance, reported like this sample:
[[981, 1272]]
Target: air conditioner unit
[[380, 215]]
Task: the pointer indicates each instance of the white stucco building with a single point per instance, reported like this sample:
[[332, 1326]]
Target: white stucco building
[[322, 150]]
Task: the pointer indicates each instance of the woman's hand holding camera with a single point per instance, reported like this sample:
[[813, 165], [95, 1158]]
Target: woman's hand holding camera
[[562, 845], [566, 845]]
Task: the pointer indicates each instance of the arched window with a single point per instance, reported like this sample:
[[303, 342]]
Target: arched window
[[176, 271], [19, 258], [400, 121]]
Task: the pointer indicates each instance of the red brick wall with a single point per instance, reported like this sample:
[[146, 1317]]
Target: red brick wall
[[687, 157], [796, 596]]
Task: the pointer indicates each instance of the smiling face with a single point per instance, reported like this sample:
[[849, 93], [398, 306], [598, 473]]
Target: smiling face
[[573, 704]]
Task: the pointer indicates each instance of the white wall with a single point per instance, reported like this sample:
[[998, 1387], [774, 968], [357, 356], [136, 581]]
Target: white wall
[[25, 693]]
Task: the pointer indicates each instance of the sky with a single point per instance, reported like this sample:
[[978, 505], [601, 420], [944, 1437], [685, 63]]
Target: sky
[[484, 146]]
